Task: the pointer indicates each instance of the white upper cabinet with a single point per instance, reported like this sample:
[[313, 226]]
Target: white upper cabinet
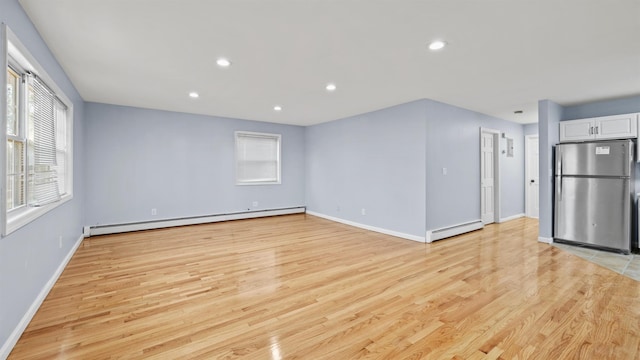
[[606, 127], [621, 126], [576, 130]]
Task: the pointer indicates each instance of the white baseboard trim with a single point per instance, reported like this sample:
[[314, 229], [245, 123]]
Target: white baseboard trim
[[8, 345], [453, 230], [160, 224], [545, 240], [512, 217], [369, 227]]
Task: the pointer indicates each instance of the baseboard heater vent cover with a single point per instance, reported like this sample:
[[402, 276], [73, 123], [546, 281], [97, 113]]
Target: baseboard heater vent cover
[[449, 231], [160, 224]]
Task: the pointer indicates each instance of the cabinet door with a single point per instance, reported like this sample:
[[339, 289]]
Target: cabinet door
[[616, 127], [576, 130]]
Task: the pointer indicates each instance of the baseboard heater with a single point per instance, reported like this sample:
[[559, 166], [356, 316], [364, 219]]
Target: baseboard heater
[[449, 231], [160, 224]]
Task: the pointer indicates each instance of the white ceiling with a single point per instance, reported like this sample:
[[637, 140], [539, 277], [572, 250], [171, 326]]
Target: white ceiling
[[503, 55]]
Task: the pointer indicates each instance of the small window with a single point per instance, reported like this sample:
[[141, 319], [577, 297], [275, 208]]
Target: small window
[[257, 158]]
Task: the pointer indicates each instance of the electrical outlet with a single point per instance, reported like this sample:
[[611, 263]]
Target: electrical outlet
[[364, 211], [154, 211], [444, 171], [255, 204], [60, 242]]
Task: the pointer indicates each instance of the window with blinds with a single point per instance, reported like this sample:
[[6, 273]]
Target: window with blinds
[[257, 158], [38, 123], [45, 146]]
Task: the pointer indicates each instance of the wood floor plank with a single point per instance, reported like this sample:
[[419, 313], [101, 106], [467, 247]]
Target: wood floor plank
[[301, 287]]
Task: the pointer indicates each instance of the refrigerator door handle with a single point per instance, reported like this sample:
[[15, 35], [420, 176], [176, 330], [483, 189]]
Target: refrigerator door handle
[[560, 165], [559, 188], [559, 179]]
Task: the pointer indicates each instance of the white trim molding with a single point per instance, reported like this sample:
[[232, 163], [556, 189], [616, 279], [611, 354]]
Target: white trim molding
[[545, 240], [512, 217], [4, 59], [453, 230], [369, 227], [160, 224], [8, 345]]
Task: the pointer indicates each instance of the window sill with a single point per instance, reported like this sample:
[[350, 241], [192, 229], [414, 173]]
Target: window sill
[[20, 218]]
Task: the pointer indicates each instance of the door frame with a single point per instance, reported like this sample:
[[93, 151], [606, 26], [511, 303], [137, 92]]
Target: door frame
[[496, 171], [527, 150]]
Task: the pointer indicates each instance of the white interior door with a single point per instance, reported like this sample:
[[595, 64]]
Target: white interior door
[[532, 178], [487, 178]]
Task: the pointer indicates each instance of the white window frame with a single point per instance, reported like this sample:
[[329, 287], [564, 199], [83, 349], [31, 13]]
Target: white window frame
[[20, 136], [276, 137], [11, 221]]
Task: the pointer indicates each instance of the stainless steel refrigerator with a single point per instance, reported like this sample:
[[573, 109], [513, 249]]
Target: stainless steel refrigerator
[[594, 191]]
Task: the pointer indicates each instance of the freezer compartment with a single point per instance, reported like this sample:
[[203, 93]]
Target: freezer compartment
[[593, 211], [602, 158]]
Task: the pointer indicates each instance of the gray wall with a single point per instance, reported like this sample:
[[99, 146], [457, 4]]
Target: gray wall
[[624, 105], [453, 142], [390, 162], [29, 256], [530, 129], [549, 115], [180, 164], [373, 161]]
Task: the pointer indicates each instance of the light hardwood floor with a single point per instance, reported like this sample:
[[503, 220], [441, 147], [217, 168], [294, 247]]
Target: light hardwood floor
[[301, 287]]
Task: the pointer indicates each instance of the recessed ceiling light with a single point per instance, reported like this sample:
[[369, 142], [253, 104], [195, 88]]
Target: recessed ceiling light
[[437, 45], [223, 62], [277, 108], [331, 87], [194, 95]]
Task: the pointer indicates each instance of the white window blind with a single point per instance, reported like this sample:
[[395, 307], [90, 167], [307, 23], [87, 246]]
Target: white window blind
[[257, 158], [44, 184]]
